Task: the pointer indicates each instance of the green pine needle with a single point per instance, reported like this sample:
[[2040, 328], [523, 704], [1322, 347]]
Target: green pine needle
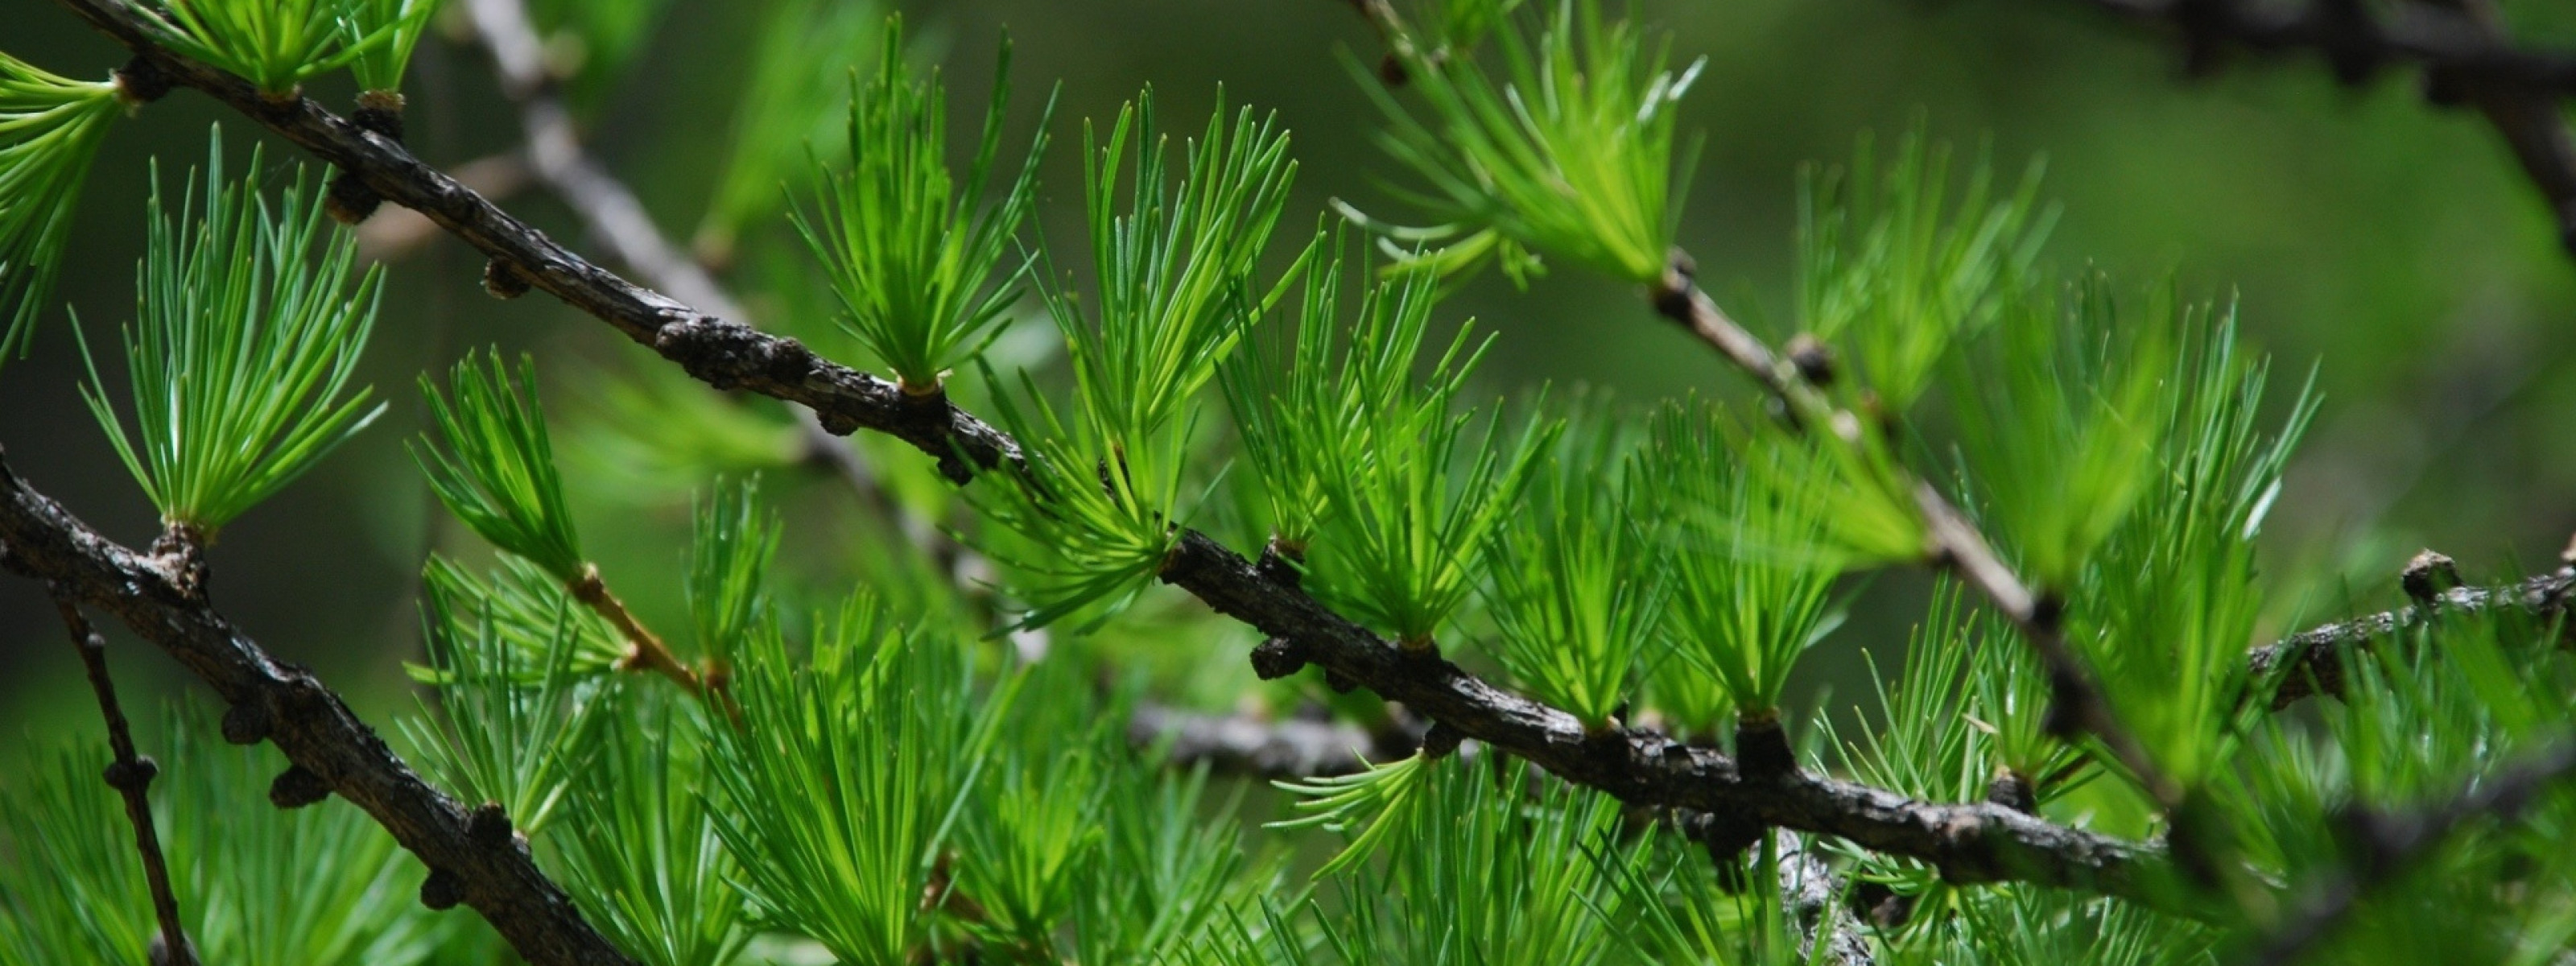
[[517, 723], [638, 843], [1402, 500], [1753, 560], [2059, 422], [1177, 269], [1099, 503], [802, 70], [877, 742], [380, 63], [279, 44], [2171, 591], [320, 884], [533, 614], [729, 559], [497, 472], [1086, 521], [1894, 271], [1569, 152], [1379, 803], [252, 316], [1580, 619], [915, 255], [50, 129]]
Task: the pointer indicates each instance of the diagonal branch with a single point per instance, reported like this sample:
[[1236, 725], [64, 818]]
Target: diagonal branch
[[480, 863], [2390, 844], [2460, 45], [130, 774], [1970, 843], [2076, 702]]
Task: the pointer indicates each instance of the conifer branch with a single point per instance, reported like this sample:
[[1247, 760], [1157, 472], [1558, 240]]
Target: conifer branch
[[287, 705], [130, 774], [2460, 45], [2311, 662], [2389, 844], [2077, 704], [1969, 842]]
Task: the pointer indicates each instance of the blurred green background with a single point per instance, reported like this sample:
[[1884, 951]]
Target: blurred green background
[[2391, 246]]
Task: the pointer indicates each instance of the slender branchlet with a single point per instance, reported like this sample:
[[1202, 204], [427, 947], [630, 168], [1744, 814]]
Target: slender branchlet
[[131, 775]]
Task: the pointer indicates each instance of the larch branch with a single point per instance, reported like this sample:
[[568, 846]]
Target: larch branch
[[1969, 842]]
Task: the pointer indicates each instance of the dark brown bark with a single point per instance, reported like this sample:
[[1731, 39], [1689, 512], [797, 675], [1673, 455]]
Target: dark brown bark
[[131, 775], [289, 706]]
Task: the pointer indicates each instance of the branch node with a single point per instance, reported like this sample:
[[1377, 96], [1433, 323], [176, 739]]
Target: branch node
[[1728, 838], [1441, 741], [2067, 703], [247, 723], [442, 890], [2013, 790], [1882, 906], [1282, 562], [489, 826], [140, 82], [1813, 358], [1277, 658], [297, 787], [349, 200], [380, 112], [131, 776], [2427, 576], [504, 281], [1762, 747], [1672, 292]]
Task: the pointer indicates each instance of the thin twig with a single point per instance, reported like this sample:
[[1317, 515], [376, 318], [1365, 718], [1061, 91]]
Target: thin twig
[[2390, 844], [130, 774]]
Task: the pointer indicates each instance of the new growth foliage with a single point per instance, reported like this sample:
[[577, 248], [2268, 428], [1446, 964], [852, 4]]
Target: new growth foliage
[[844, 767]]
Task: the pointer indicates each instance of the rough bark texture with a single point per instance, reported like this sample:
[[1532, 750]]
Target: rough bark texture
[[289, 706], [2311, 661]]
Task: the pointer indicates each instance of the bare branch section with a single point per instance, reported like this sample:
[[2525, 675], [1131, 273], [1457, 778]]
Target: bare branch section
[[2460, 45], [1970, 843], [289, 706], [1244, 745], [2390, 844], [130, 774], [2311, 662]]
